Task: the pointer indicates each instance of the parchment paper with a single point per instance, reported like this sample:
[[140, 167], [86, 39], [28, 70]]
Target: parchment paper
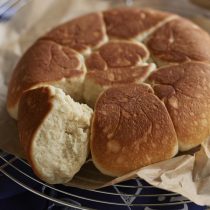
[[188, 175]]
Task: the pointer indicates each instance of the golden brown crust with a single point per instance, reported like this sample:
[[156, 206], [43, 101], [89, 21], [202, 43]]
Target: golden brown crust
[[123, 53], [185, 90], [32, 102], [118, 62], [131, 128], [128, 23], [44, 62], [117, 54], [81, 33], [180, 40]]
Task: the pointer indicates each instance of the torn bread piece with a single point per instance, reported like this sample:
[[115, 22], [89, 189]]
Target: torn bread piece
[[54, 132]]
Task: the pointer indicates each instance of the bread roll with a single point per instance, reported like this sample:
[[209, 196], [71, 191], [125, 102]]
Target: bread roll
[[54, 132], [131, 128], [134, 23], [127, 64], [178, 41], [185, 90], [46, 62], [81, 34]]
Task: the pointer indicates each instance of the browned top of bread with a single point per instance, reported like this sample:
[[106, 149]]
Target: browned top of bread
[[117, 54], [44, 62], [130, 125], [129, 23], [179, 40], [118, 62], [185, 90], [80, 34]]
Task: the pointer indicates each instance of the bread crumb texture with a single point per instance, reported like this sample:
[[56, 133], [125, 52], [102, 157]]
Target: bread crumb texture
[[58, 146]]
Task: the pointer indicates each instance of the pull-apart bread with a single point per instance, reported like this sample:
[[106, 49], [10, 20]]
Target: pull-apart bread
[[145, 74]]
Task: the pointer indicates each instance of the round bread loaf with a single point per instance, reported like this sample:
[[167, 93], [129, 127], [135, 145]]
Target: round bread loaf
[[101, 59], [54, 131]]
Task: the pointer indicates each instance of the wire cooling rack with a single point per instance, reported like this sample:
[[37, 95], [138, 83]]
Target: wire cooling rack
[[132, 193]]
